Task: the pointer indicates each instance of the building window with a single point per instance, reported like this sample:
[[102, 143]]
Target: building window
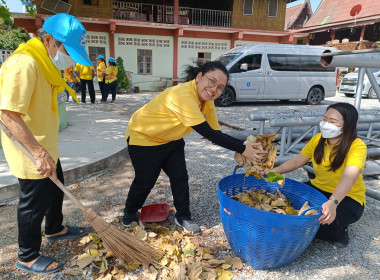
[[248, 7], [93, 53], [272, 8], [91, 2], [204, 56], [144, 62]]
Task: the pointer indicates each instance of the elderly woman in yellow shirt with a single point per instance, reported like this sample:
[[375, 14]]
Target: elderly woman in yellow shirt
[[338, 158], [110, 80]]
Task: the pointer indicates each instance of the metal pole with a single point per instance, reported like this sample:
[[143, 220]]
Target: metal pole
[[359, 88], [373, 82]]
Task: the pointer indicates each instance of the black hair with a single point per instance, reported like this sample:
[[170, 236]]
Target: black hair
[[112, 63], [350, 118], [192, 71]]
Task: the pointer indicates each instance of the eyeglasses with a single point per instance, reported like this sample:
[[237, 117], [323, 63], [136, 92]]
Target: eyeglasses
[[332, 121], [212, 83]]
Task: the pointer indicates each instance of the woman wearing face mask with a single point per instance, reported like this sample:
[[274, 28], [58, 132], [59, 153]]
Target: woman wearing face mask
[[338, 158]]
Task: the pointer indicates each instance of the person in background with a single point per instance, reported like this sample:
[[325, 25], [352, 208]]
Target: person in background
[[155, 138], [70, 79], [86, 75], [1, 63], [100, 73], [338, 158], [111, 81], [30, 81]]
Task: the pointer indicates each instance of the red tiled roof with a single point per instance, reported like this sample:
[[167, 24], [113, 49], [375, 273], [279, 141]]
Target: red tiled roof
[[292, 13], [338, 11]]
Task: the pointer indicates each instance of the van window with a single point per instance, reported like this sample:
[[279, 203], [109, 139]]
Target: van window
[[253, 61], [290, 62], [226, 59]]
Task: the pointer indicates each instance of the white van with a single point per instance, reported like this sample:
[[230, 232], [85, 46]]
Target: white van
[[277, 72]]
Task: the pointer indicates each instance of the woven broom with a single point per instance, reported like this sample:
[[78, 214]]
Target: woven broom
[[122, 244]]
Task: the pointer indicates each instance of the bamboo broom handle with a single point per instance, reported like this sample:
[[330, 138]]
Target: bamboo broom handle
[[58, 183]]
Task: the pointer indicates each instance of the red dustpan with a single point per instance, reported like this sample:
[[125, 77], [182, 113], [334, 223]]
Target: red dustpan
[[156, 212]]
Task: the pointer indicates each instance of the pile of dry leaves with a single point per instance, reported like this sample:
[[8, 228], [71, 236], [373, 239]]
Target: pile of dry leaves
[[267, 201], [183, 259]]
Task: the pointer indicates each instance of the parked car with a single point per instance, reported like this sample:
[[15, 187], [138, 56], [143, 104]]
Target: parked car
[[349, 82], [277, 72]]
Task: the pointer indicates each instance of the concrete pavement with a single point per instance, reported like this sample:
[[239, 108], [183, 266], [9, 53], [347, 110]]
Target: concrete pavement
[[92, 141]]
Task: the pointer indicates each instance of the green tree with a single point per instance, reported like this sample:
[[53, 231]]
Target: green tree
[[122, 79], [10, 36], [6, 14]]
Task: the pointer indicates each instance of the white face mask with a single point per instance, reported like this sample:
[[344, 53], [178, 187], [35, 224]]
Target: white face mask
[[329, 130], [62, 61]]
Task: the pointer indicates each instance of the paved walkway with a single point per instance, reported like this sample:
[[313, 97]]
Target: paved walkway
[[92, 141]]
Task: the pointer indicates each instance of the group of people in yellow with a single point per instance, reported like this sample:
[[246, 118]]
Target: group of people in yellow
[[84, 74], [30, 80]]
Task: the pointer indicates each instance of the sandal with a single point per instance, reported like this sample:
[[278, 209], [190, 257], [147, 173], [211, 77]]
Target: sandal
[[72, 232], [39, 266]]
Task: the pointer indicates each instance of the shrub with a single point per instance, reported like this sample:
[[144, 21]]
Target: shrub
[[122, 79]]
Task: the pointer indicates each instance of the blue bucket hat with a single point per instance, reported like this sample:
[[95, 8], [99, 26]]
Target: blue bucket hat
[[70, 31], [111, 59], [100, 56]]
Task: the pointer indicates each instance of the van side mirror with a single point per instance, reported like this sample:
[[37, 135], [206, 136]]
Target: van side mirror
[[244, 67]]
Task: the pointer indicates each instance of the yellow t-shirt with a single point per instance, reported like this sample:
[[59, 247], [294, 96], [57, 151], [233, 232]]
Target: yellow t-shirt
[[328, 180], [169, 116], [85, 72], [100, 71], [67, 77], [111, 73], [25, 90]]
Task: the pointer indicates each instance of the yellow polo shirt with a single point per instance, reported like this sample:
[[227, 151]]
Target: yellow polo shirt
[[111, 73], [85, 72], [25, 90], [169, 116], [101, 70], [328, 180]]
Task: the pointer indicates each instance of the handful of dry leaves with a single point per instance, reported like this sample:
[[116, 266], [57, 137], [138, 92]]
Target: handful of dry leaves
[[270, 202], [267, 163]]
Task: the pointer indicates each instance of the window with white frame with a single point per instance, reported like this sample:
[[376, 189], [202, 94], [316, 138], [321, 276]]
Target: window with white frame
[[144, 62], [248, 7], [272, 8]]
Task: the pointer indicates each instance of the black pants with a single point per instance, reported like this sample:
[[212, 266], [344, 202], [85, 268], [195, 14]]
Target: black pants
[[148, 162], [91, 90], [101, 86], [348, 212], [38, 199]]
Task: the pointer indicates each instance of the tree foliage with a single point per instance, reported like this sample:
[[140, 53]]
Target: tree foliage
[[6, 14], [10, 36], [122, 79]]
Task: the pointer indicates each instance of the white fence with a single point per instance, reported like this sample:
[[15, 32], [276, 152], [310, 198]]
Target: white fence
[[4, 54]]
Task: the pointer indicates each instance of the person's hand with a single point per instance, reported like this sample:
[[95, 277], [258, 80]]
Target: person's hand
[[252, 153], [46, 165], [328, 213]]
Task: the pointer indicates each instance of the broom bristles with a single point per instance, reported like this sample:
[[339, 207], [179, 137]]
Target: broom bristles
[[122, 244]]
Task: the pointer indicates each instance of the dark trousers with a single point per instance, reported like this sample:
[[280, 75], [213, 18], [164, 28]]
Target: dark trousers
[[348, 212], [111, 87], [38, 199], [91, 90], [148, 162], [101, 86]]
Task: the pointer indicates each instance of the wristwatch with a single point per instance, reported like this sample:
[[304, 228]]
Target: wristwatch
[[335, 201]]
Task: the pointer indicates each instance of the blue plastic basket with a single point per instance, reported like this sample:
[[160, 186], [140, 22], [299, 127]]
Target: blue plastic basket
[[264, 239]]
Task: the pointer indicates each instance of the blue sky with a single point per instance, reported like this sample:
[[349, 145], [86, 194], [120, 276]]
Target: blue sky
[[314, 4], [16, 6]]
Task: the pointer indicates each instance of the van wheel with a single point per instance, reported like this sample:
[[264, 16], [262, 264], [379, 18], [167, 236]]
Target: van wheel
[[225, 99], [372, 93], [315, 96]]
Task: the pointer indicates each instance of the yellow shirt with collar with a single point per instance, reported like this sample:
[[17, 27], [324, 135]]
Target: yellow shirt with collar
[[25, 90], [101, 71], [328, 180], [169, 116], [85, 72], [111, 74]]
